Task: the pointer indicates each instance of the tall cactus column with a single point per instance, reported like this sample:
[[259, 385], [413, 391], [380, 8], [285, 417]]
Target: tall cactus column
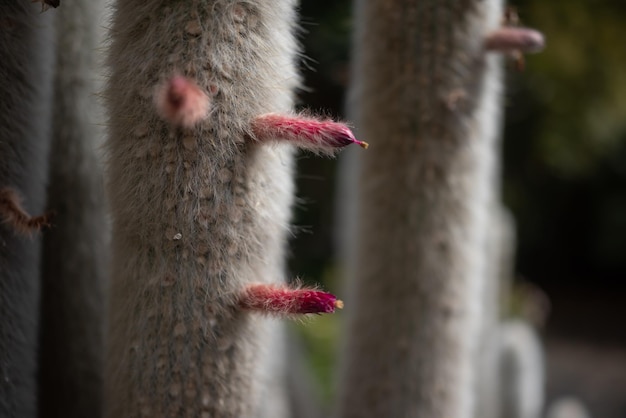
[[26, 79], [75, 248], [426, 95], [200, 184]]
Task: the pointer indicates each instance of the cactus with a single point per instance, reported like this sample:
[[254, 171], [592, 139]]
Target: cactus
[[75, 249], [501, 270], [200, 160], [26, 66], [426, 93], [522, 375]]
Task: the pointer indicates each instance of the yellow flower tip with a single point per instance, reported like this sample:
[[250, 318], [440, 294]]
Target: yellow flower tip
[[339, 304], [364, 145]]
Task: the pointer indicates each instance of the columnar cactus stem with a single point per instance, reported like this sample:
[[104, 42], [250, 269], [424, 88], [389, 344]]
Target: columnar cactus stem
[[500, 254], [426, 95], [200, 208], [521, 366], [75, 249], [26, 66]]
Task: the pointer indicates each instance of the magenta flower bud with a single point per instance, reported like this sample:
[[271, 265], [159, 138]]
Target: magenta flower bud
[[323, 136], [511, 39], [284, 301]]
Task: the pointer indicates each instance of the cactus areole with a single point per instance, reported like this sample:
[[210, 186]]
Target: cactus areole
[[200, 187]]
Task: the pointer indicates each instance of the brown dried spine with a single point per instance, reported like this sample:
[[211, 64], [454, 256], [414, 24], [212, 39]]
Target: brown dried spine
[[13, 214]]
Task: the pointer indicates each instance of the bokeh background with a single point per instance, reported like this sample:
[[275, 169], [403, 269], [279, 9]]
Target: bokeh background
[[564, 150]]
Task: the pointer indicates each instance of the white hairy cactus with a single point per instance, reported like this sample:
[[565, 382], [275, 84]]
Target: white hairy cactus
[[427, 95], [200, 186], [26, 69], [522, 371], [75, 249]]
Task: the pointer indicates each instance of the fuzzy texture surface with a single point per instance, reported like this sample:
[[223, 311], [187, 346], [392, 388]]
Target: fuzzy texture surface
[[26, 68], [426, 97], [75, 252], [198, 213], [500, 272]]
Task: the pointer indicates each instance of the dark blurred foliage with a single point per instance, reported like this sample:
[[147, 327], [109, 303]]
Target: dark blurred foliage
[[325, 37], [564, 148]]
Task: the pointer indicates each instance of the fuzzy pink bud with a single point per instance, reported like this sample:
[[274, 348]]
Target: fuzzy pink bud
[[282, 300], [323, 136], [511, 39], [181, 102]]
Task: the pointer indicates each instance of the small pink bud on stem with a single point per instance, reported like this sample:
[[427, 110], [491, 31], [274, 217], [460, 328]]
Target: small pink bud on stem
[[13, 214], [512, 39], [181, 102], [285, 301], [323, 136]]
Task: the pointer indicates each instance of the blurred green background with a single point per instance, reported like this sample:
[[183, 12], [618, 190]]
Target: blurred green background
[[564, 149]]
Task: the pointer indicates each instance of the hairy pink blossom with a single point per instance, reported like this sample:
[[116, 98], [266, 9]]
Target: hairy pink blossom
[[511, 39], [317, 135], [282, 300], [181, 102]]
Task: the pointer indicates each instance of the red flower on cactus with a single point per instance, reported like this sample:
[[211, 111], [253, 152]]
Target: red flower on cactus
[[282, 300], [509, 39], [316, 135]]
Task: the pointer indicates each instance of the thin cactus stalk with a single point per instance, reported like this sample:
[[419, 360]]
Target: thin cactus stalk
[[200, 187], [426, 94], [500, 272], [26, 69], [521, 367], [75, 249]]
